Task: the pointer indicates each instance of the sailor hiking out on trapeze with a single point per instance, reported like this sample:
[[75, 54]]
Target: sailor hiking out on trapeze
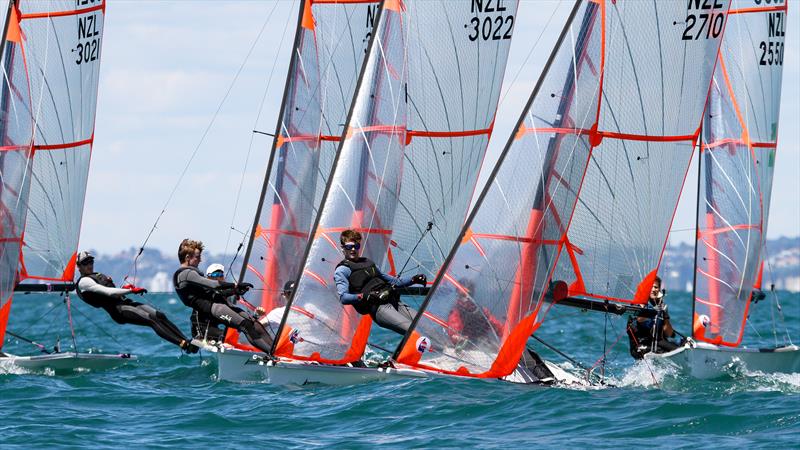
[[98, 290], [209, 297], [362, 285]]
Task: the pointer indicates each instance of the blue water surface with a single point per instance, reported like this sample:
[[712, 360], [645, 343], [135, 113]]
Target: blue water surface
[[166, 399]]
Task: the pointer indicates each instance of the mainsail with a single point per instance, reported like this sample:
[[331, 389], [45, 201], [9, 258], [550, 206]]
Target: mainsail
[[603, 147], [738, 155], [63, 40], [329, 48], [16, 132], [430, 85]]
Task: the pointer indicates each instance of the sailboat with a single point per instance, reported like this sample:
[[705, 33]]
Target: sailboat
[[52, 55], [736, 164], [611, 109], [421, 103]]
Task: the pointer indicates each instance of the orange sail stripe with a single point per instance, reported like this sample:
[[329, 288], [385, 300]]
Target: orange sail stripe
[[75, 12], [713, 231], [4, 311], [758, 9], [65, 145]]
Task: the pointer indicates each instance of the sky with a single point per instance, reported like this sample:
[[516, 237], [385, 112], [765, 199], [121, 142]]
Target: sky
[[184, 83]]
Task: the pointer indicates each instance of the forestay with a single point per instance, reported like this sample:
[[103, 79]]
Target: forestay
[[738, 157], [16, 132], [614, 114], [427, 94], [330, 45], [63, 39]]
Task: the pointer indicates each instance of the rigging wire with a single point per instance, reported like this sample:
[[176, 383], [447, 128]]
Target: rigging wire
[[199, 144], [776, 299]]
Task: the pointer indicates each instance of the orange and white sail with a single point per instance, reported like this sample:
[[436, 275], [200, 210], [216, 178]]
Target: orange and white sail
[[63, 40], [430, 85], [16, 141], [737, 162], [329, 48], [585, 189]]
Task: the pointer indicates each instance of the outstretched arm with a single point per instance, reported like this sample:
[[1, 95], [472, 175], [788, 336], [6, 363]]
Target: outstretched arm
[[89, 285]]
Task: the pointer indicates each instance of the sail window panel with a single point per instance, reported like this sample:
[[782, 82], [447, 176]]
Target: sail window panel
[[652, 75], [456, 71], [362, 195], [342, 35]]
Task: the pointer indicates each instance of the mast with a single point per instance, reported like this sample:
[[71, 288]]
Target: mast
[[697, 220]]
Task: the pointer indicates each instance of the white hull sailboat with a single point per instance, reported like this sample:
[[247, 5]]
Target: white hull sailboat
[[707, 361], [68, 362]]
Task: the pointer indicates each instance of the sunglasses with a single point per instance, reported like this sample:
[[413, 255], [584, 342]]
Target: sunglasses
[[217, 273], [355, 246]]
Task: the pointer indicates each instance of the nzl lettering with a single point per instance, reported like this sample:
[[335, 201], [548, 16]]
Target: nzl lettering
[[372, 14], [485, 6], [87, 27]]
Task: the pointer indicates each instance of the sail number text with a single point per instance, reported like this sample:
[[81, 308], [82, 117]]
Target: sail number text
[[88, 48], [772, 48], [487, 26], [702, 21]]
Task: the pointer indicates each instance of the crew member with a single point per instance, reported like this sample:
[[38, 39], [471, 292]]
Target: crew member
[[98, 290], [652, 334], [363, 286], [204, 326], [210, 296]]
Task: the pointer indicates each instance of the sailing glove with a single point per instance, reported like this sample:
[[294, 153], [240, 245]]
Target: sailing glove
[[241, 288], [419, 278]]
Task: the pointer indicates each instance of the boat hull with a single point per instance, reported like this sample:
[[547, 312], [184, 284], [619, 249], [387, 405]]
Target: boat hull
[[707, 361], [247, 367], [68, 362]]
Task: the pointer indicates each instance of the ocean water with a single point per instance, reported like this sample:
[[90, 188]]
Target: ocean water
[[166, 399]]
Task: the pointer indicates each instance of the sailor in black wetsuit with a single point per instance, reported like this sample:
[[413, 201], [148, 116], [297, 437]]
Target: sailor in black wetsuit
[[209, 297], [98, 290], [646, 334], [363, 286]]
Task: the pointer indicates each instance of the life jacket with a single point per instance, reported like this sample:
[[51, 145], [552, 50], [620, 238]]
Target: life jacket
[[363, 279], [93, 298]]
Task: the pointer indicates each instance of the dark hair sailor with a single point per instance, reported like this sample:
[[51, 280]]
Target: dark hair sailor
[[98, 290], [362, 285]]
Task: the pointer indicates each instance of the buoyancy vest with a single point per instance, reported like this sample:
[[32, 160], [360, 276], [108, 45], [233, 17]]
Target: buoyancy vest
[[93, 298], [364, 279]]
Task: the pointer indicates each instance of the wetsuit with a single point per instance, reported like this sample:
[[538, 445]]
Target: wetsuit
[[98, 290], [648, 335], [209, 298], [466, 320], [362, 276]]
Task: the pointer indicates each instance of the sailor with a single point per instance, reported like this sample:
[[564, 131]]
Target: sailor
[[652, 334], [210, 297], [98, 290], [363, 286], [204, 326], [468, 322]]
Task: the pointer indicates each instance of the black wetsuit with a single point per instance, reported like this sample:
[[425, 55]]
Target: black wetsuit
[[208, 298], [98, 290], [648, 336]]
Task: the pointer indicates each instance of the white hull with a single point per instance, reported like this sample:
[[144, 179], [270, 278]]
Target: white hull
[[706, 361], [247, 367], [67, 362]]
